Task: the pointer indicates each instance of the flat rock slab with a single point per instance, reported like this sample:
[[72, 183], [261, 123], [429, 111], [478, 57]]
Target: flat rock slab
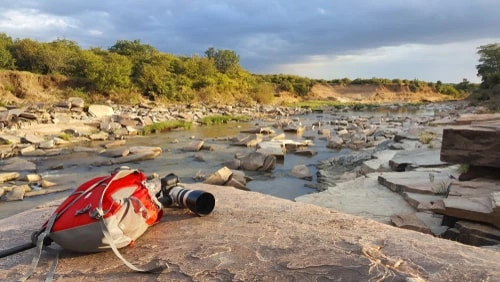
[[380, 161], [476, 188], [116, 152], [6, 176], [249, 242], [248, 140], [419, 221], [411, 181], [421, 202], [477, 231], [362, 196], [416, 158], [17, 164], [275, 148], [9, 139], [477, 118], [481, 208]]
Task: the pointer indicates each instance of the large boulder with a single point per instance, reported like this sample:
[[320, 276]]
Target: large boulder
[[243, 239], [257, 161]]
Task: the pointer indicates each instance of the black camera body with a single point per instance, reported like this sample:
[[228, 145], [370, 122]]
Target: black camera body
[[172, 194]]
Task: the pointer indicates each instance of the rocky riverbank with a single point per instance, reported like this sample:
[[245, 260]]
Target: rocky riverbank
[[384, 153]]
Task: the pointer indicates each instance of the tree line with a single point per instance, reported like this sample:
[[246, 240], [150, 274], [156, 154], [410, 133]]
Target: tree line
[[135, 67]]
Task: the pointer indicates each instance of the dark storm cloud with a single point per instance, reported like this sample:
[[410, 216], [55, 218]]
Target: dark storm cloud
[[262, 32]]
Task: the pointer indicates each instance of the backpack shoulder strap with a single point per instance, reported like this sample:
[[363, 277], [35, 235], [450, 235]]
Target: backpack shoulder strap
[[39, 246], [106, 233]]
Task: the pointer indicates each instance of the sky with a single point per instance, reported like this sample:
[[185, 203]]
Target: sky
[[428, 40]]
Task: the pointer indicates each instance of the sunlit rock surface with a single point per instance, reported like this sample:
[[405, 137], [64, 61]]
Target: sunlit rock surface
[[255, 237]]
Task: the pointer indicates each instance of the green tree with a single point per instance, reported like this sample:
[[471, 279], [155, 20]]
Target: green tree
[[465, 86], [106, 71], [133, 49], [489, 64], [226, 61], [345, 81], [59, 56], [210, 53], [26, 53], [138, 53], [6, 59], [262, 93], [157, 78]]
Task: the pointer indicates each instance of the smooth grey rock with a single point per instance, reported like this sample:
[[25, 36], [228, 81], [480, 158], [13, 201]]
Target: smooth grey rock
[[100, 111], [220, 177], [302, 151], [49, 144], [301, 171], [194, 146], [256, 161], [33, 139], [100, 136], [116, 152], [233, 164], [413, 181], [421, 202], [10, 139], [379, 163], [275, 148], [236, 184], [17, 164], [249, 140], [143, 149], [418, 221], [16, 194], [362, 196], [76, 102]]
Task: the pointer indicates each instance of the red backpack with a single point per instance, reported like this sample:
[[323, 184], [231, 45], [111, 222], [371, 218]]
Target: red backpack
[[119, 204], [111, 212]]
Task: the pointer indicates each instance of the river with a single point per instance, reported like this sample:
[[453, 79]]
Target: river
[[78, 166]]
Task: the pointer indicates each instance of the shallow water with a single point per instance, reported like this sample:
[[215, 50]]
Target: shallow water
[[78, 167]]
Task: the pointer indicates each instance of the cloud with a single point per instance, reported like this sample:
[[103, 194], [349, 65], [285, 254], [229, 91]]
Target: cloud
[[29, 20], [273, 33], [410, 61]]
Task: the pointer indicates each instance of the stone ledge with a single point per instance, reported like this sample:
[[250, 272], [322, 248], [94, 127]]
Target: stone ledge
[[255, 237]]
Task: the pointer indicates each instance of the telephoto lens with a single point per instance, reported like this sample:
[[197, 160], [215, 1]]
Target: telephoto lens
[[199, 202]]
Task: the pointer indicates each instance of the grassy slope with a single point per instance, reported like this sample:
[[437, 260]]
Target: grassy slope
[[21, 87]]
